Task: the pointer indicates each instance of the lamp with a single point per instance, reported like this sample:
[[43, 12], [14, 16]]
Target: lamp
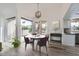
[[38, 12]]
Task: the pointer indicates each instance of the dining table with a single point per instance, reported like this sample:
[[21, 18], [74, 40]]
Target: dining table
[[35, 37]]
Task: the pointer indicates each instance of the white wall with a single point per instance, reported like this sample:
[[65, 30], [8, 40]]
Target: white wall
[[8, 10]]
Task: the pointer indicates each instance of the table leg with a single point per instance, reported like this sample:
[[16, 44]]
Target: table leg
[[33, 45]]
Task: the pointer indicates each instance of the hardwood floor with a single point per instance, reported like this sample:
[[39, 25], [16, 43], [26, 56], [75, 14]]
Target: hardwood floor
[[52, 51]]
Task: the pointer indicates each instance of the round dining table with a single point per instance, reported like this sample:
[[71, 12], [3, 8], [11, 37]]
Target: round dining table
[[34, 37]]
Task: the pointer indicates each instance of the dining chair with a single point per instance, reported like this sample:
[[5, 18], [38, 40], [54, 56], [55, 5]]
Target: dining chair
[[27, 41], [42, 42]]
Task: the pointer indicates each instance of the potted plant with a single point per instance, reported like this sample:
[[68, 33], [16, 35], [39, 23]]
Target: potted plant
[[16, 43], [0, 46]]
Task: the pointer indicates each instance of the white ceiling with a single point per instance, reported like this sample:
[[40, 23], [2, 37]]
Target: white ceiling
[[28, 10]]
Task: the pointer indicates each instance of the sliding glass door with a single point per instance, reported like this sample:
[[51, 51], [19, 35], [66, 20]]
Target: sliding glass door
[[26, 25], [9, 29]]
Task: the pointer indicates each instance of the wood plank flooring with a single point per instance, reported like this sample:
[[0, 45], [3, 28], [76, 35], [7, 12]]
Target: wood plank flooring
[[52, 51]]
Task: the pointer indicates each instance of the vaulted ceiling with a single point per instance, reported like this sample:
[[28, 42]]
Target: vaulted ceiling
[[49, 10], [73, 12]]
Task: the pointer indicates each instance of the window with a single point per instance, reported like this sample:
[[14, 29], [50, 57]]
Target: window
[[36, 27], [10, 29], [43, 26], [26, 26], [75, 25]]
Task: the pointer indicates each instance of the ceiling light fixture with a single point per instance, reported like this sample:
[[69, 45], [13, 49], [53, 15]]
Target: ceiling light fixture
[[38, 12]]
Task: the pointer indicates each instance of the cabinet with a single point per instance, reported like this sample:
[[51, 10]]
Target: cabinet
[[57, 35], [77, 38]]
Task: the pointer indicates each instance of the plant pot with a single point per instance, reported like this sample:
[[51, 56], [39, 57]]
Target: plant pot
[[0, 46], [16, 45]]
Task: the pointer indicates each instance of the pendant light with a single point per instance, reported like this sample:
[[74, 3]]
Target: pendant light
[[38, 12]]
